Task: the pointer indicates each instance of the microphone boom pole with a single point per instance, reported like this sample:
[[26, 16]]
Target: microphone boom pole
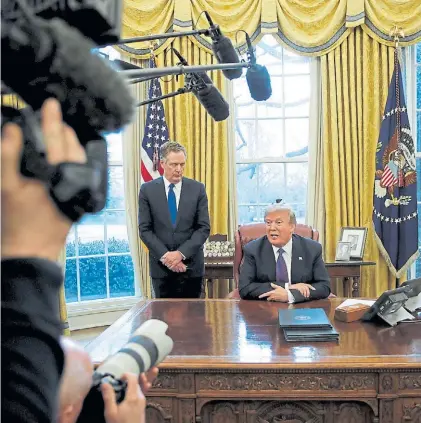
[[158, 37], [180, 70], [162, 97]]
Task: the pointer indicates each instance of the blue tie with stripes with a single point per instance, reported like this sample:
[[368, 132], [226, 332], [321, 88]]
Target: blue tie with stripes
[[281, 268], [172, 204]]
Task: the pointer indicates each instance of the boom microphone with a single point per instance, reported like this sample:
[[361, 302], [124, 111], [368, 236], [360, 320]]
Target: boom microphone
[[183, 61], [223, 49], [208, 95], [258, 79], [55, 60]]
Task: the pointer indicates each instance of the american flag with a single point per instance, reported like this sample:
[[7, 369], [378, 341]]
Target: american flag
[[156, 133]]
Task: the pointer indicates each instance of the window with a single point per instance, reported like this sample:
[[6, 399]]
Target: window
[[98, 260], [272, 136]]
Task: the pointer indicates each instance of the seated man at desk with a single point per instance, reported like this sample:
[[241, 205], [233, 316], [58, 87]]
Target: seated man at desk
[[283, 266]]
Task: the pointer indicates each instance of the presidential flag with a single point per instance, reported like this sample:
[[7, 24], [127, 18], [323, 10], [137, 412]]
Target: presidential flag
[[395, 215], [156, 133]]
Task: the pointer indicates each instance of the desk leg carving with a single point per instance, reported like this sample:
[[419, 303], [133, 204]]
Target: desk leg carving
[[386, 411]]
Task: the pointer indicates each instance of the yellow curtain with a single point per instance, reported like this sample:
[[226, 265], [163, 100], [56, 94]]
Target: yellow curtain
[[356, 78], [205, 140], [310, 27]]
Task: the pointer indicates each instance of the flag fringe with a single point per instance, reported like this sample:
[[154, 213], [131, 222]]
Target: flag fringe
[[392, 268]]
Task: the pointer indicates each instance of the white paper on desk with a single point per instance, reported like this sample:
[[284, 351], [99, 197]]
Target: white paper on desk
[[394, 318], [413, 303], [351, 301]]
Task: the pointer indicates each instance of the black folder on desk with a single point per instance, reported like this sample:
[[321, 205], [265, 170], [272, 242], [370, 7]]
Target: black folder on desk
[[303, 318], [306, 324], [311, 335]]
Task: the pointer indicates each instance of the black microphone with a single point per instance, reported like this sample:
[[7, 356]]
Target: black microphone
[[223, 49], [183, 61], [258, 79], [43, 59], [208, 95]]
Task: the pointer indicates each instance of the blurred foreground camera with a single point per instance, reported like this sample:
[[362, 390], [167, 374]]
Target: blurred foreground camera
[[148, 346]]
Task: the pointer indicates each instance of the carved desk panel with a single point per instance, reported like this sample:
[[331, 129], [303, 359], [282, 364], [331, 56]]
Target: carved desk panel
[[231, 364]]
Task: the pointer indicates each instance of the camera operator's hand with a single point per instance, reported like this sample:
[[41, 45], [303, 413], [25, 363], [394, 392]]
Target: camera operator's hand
[[131, 409], [146, 379], [32, 225]]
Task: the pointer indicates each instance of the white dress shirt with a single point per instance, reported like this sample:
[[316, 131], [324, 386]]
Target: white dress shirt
[[287, 255], [177, 189]]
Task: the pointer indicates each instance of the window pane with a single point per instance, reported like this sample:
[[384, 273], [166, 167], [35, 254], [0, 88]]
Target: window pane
[[259, 139], [418, 134], [295, 64], [418, 93], [115, 147], [92, 278], [70, 281], [296, 133], [250, 214], [70, 243], [297, 96], [286, 181], [247, 183], [90, 233], [118, 241], [115, 198], [418, 46], [121, 274]]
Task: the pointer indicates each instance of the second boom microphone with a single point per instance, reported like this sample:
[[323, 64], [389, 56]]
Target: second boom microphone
[[207, 94]]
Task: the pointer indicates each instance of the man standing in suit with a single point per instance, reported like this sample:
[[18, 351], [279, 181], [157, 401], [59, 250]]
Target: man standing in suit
[[174, 225], [282, 266]]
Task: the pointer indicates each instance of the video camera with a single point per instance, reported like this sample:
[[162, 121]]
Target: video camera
[[147, 347], [47, 51]]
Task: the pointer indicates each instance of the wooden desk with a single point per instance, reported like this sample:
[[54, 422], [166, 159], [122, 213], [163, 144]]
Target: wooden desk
[[231, 364], [348, 271]]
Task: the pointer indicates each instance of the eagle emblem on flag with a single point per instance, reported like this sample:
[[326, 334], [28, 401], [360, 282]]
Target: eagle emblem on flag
[[398, 168]]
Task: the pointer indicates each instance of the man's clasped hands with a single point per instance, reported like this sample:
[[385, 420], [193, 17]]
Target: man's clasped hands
[[174, 261]]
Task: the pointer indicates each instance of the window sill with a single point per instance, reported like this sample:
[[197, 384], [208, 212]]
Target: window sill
[[89, 314]]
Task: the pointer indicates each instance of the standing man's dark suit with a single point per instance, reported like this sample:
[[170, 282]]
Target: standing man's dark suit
[[190, 232], [259, 268]]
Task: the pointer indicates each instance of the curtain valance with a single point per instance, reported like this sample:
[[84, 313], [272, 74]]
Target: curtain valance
[[309, 27]]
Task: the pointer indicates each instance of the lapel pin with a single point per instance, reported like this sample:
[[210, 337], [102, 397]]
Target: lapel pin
[[300, 258]]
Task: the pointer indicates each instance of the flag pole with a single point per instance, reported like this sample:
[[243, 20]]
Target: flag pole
[[397, 33]]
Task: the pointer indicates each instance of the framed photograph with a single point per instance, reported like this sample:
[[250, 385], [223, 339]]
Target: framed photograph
[[357, 238], [343, 251]]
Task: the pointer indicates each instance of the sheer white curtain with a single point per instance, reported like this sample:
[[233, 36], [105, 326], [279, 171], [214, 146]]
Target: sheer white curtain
[[315, 185], [132, 144]]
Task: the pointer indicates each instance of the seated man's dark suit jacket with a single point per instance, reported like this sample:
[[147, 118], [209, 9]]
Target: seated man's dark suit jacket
[[191, 230], [258, 270]]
